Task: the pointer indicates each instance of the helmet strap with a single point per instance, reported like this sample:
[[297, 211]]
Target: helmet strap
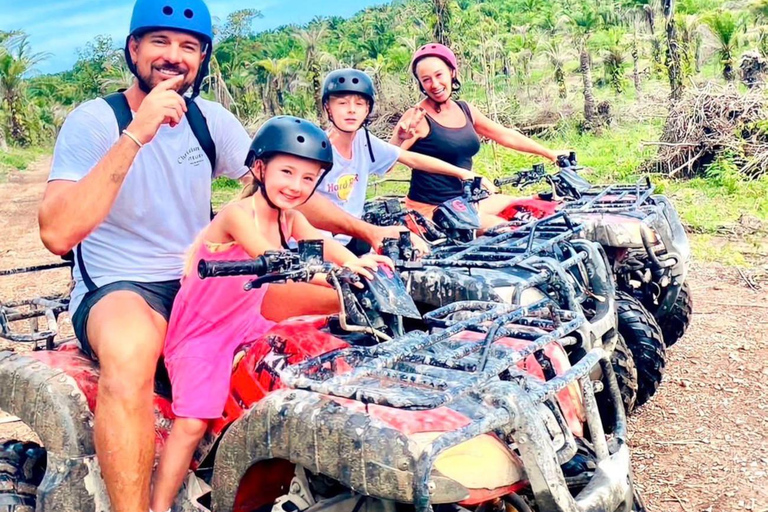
[[368, 141]]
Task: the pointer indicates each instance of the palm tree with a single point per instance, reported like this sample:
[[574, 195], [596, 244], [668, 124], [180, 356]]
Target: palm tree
[[725, 26], [441, 29], [635, 49], [585, 21], [759, 9], [614, 58], [690, 42], [673, 52], [558, 54], [647, 9], [524, 46], [277, 70], [16, 60], [312, 39]]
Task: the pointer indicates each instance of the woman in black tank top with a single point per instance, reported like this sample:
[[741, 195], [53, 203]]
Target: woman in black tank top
[[450, 130]]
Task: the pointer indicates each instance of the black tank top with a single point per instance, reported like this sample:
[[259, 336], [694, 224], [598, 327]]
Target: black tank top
[[456, 146]]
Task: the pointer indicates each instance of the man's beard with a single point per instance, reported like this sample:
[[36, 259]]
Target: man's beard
[[146, 86]]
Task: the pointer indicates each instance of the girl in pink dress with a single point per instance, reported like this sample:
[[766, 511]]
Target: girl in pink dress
[[212, 318]]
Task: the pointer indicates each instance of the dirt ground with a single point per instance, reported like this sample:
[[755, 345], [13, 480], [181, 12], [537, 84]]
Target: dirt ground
[[701, 445]]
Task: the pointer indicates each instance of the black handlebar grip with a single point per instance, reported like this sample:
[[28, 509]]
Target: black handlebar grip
[[256, 267], [500, 182]]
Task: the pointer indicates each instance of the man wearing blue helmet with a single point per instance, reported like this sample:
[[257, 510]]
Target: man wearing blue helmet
[[129, 189]]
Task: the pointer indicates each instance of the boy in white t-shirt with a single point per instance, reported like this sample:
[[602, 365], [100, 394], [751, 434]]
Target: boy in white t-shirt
[[348, 98]]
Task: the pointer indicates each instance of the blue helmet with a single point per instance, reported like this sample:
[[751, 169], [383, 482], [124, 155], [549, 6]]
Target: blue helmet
[[190, 16]]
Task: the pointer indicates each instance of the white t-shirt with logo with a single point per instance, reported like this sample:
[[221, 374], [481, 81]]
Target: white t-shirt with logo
[[164, 201], [347, 181]]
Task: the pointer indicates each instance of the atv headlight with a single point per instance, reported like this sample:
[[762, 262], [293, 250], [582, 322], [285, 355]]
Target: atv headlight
[[528, 297], [483, 462]]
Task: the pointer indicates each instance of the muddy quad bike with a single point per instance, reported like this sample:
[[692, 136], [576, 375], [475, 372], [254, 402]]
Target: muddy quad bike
[[482, 412], [640, 231], [538, 257]]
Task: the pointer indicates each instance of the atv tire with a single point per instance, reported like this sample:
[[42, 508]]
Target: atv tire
[[22, 467], [645, 340], [676, 322], [626, 374]]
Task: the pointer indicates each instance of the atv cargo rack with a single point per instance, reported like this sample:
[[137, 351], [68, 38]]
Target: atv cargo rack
[[612, 198], [456, 367], [509, 248], [32, 310]]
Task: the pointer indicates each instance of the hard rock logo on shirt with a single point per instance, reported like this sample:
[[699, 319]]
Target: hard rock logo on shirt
[[342, 187]]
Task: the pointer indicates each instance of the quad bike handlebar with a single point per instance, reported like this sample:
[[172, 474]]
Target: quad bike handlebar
[[269, 262], [524, 178]]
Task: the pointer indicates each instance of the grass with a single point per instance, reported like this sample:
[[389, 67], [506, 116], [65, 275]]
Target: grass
[[224, 190], [19, 158]]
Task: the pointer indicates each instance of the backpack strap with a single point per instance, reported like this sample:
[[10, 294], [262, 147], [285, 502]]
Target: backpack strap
[[200, 130], [119, 105]]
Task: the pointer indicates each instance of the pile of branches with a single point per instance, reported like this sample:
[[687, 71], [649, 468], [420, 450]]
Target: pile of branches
[[710, 122]]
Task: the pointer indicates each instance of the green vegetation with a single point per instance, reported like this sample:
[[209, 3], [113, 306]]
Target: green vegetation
[[590, 75], [19, 158]]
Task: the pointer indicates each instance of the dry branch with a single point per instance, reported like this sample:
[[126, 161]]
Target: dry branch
[[708, 122]]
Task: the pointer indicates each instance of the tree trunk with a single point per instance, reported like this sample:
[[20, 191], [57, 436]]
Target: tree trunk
[[317, 87], [656, 55], [560, 79], [673, 52], [590, 112], [442, 22], [728, 69], [636, 66]]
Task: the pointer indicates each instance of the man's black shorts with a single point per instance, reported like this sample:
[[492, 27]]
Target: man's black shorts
[[159, 296]]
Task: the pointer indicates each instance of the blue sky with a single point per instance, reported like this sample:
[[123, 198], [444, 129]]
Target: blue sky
[[59, 27]]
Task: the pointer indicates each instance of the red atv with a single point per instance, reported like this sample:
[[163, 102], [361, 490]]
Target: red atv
[[481, 411], [640, 231]]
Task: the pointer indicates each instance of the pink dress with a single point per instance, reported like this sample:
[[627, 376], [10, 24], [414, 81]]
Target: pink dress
[[210, 320]]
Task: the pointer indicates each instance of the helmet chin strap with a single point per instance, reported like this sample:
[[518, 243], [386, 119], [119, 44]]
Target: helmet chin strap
[[280, 216]]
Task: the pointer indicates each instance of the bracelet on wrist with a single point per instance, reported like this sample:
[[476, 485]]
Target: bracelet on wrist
[[133, 138]]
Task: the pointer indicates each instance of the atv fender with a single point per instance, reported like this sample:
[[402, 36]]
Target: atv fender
[[335, 437], [50, 402]]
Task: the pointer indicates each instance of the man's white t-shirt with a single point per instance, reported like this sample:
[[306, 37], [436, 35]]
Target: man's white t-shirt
[[346, 183], [164, 201]]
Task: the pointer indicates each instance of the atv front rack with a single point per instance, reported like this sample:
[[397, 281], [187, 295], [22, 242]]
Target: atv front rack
[[467, 362]]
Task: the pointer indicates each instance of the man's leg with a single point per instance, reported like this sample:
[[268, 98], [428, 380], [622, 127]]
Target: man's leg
[[127, 336]]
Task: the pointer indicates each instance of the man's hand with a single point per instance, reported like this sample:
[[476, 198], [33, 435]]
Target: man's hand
[[368, 264], [406, 128], [162, 105], [420, 245], [375, 235]]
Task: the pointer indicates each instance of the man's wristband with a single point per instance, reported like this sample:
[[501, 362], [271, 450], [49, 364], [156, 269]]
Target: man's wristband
[[133, 138]]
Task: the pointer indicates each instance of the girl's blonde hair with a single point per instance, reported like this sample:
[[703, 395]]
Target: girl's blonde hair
[[248, 190]]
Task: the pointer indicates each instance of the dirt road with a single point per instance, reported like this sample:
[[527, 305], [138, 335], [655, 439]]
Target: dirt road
[[701, 445]]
